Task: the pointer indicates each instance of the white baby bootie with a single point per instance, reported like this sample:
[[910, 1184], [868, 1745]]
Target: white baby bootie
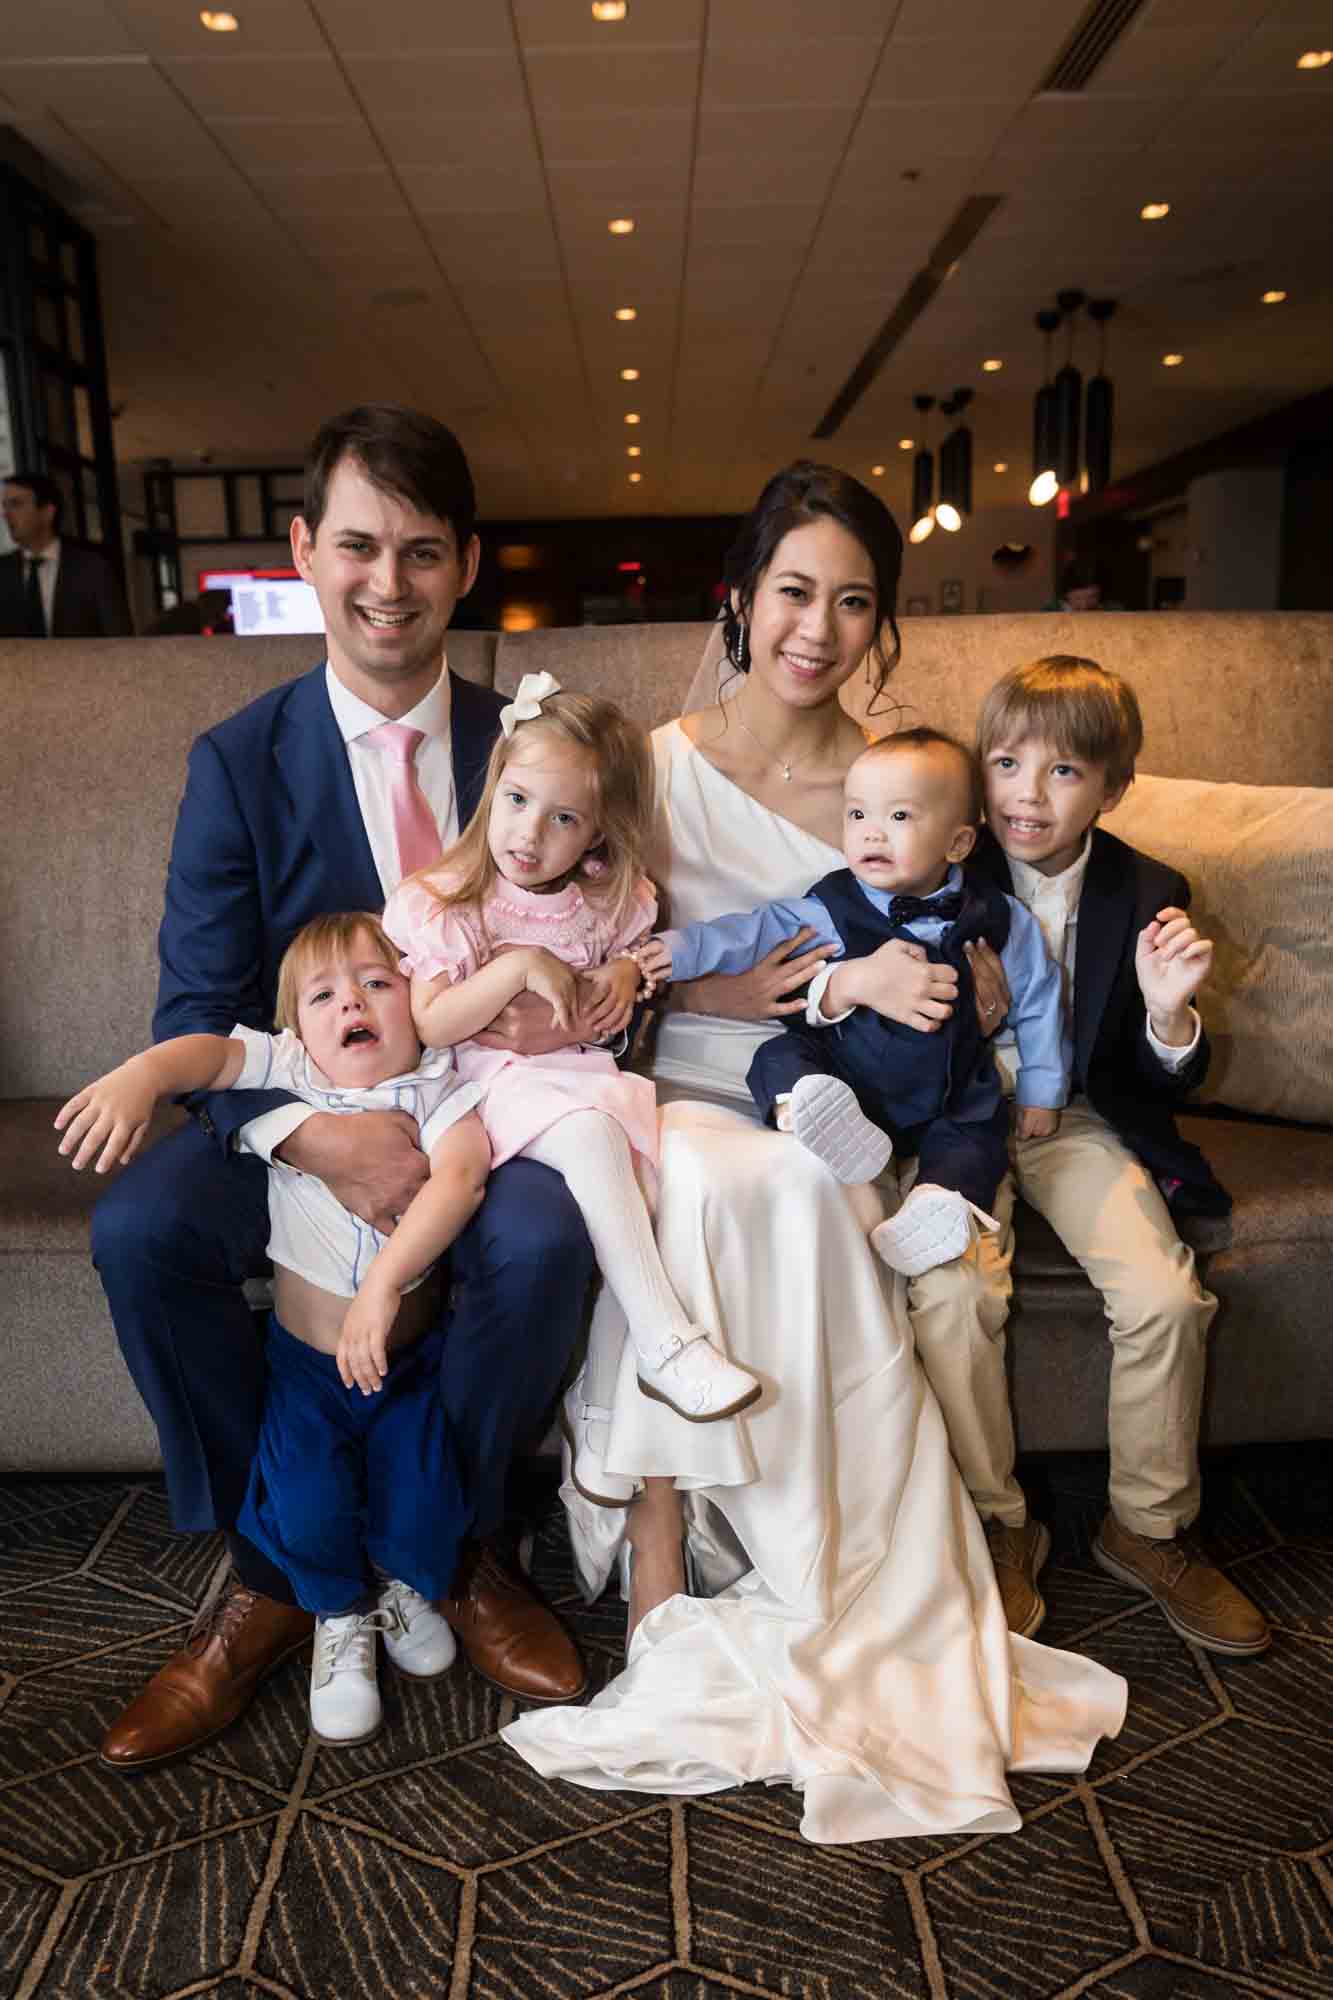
[[585, 1428], [417, 1639], [933, 1226], [826, 1118], [344, 1694], [695, 1379]]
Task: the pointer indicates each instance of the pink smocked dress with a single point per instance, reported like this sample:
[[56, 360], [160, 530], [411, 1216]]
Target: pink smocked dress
[[525, 1095]]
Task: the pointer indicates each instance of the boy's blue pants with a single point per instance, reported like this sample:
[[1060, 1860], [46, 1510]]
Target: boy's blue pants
[[341, 1480]]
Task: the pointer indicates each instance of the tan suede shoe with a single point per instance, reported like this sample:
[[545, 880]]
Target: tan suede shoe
[[1018, 1555], [1199, 1602], [202, 1689], [508, 1634]]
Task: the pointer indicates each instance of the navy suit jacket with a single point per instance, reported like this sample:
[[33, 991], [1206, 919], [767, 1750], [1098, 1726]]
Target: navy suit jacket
[[89, 602], [1114, 1064], [269, 835]]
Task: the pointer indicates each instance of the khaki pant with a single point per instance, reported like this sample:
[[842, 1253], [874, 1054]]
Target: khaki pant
[[1108, 1212]]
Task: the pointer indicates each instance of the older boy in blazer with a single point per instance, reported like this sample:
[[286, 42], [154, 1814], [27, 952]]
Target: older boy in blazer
[[1058, 740], [293, 808]]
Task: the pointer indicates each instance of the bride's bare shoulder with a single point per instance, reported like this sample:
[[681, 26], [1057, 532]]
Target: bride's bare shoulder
[[706, 729]]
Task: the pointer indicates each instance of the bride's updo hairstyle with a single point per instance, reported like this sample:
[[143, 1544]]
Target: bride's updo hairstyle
[[801, 493]]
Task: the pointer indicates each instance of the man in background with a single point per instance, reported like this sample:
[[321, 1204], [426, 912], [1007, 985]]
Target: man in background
[[48, 588]]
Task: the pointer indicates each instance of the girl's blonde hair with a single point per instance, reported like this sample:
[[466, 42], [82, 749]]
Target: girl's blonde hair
[[331, 937], [623, 793], [1085, 710]]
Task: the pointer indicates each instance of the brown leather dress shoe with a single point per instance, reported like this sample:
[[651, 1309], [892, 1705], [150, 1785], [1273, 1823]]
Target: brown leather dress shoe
[[202, 1689], [1018, 1555], [1199, 1602], [510, 1637]]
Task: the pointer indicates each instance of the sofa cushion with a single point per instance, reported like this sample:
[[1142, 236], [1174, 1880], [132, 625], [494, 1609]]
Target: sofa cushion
[[44, 1204], [1260, 862]]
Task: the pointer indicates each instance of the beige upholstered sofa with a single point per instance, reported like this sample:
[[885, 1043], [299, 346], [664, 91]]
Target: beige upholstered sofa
[[1239, 715]]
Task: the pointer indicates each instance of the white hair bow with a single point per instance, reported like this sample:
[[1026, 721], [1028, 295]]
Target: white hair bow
[[526, 706]]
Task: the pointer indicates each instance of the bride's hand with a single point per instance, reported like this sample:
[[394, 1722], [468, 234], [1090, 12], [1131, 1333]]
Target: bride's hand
[[761, 993]]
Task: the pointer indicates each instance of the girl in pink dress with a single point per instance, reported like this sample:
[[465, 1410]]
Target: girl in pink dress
[[544, 893]]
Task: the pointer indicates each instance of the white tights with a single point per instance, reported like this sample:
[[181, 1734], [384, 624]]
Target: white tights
[[590, 1150]]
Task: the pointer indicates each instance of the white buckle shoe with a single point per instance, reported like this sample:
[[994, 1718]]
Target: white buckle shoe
[[344, 1694], [829, 1123], [584, 1426], [696, 1380], [934, 1226], [419, 1642]]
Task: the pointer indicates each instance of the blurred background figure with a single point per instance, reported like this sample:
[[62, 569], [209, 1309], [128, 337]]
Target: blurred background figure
[[208, 615], [1081, 590], [48, 588]]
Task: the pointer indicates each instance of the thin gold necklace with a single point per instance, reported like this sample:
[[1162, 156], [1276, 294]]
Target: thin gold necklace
[[785, 764]]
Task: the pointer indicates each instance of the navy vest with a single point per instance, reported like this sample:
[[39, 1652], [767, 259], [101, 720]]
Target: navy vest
[[923, 1076]]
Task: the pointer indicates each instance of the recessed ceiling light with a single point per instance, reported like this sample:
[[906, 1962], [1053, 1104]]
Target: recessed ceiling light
[[906, 444], [609, 10], [1154, 211], [877, 471], [634, 451], [621, 225], [626, 312], [219, 23], [1273, 298], [634, 478], [629, 374], [631, 416], [1315, 59], [1001, 465], [993, 366], [1172, 360]]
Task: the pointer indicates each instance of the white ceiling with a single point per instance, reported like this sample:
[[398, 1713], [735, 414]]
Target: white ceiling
[[256, 196]]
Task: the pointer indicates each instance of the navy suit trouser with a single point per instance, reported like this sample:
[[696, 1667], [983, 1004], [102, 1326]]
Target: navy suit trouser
[[179, 1231], [969, 1155]]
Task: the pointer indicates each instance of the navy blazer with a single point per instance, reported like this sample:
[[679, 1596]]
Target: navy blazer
[[1115, 1066], [269, 835], [88, 604]]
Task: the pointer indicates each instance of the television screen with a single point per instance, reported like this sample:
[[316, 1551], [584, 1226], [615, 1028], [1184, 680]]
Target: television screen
[[265, 601]]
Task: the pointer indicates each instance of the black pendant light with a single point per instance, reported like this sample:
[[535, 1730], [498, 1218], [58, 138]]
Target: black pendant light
[[955, 502], [1045, 485], [923, 480], [1100, 410]]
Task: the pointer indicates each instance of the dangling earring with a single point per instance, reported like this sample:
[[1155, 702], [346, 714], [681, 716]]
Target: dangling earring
[[595, 863], [739, 652]]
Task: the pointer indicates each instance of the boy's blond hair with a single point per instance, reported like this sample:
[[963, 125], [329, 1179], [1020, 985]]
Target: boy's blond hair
[[1083, 709], [332, 937]]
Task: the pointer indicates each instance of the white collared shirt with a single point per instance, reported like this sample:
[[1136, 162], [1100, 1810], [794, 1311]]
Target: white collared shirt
[[1053, 901], [49, 558], [371, 773]]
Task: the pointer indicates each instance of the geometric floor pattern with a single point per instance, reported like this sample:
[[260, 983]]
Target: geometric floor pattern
[[1193, 1862]]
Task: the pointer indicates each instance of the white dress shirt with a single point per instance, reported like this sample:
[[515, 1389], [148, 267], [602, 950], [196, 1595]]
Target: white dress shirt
[[371, 774], [49, 558], [1053, 901]]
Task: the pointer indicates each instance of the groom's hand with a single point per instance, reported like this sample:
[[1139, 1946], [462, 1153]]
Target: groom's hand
[[370, 1162]]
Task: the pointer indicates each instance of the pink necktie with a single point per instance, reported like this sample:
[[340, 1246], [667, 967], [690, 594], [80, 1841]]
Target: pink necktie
[[414, 825]]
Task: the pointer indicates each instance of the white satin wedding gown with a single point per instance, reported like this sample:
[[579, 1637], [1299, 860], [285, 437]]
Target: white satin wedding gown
[[856, 1649]]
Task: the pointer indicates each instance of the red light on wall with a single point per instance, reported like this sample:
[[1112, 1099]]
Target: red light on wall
[[1062, 504], [629, 568]]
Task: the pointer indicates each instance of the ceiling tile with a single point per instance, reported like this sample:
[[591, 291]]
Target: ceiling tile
[[367, 192], [574, 83], [1266, 62], [1163, 61], [618, 187], [770, 130], [661, 138], [307, 87], [958, 68], [76, 28], [1054, 20], [756, 21], [439, 87], [794, 176], [464, 188], [355, 29], [485, 144], [481, 250], [836, 69], [168, 28], [894, 137], [120, 91], [569, 23], [270, 146]]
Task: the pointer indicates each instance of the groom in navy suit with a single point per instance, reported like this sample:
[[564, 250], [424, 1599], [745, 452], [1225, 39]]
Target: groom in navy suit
[[288, 813]]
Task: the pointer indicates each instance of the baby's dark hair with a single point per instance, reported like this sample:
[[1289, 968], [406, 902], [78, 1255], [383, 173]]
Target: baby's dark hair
[[925, 738]]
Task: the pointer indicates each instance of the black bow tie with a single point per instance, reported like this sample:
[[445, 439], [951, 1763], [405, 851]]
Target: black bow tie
[[906, 909]]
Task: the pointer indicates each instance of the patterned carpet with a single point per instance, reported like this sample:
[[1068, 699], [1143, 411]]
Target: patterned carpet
[[1194, 1862]]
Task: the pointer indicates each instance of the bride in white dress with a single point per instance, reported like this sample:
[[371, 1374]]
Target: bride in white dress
[[855, 1647]]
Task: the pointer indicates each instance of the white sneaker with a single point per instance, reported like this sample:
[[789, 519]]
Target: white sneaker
[[344, 1694], [697, 1381], [585, 1431], [417, 1639], [829, 1123], [933, 1226]]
